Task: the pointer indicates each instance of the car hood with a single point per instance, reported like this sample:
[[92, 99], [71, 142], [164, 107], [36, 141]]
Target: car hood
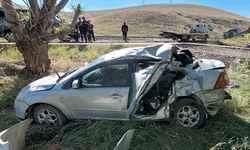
[[45, 83], [208, 64]]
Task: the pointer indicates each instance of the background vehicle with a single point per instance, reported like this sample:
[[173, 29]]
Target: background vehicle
[[232, 33], [159, 82], [5, 31], [200, 30]]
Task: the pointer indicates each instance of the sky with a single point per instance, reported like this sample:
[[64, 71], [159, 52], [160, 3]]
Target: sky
[[240, 7]]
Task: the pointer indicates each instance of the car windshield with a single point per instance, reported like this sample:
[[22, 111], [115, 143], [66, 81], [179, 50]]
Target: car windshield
[[100, 59]]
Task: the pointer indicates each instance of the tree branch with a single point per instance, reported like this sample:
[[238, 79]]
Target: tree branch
[[10, 13], [72, 25], [77, 13], [6, 23], [60, 6], [34, 7]]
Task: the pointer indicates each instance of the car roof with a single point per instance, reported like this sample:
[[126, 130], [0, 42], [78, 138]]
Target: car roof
[[156, 52], [150, 52]]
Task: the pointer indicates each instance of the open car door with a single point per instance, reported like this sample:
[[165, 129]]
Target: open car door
[[143, 82]]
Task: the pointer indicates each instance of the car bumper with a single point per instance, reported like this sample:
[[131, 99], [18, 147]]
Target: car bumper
[[20, 109], [212, 99]]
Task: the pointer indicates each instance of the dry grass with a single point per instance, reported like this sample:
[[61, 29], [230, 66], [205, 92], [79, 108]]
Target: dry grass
[[63, 65], [148, 20]]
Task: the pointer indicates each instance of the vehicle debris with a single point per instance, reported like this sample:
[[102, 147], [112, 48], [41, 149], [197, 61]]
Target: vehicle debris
[[147, 83], [124, 142], [14, 137], [232, 86]]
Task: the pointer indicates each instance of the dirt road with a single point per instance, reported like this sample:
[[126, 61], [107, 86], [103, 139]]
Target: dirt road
[[226, 55]]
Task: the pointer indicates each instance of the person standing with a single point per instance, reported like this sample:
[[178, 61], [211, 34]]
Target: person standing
[[83, 27], [76, 33], [124, 31], [91, 31], [78, 24]]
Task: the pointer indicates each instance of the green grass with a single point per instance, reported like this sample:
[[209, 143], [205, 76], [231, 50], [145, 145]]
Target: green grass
[[7, 119], [237, 41], [229, 129], [240, 104], [234, 41], [11, 52], [103, 135]]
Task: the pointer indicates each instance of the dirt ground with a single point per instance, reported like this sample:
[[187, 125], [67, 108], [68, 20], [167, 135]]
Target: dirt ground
[[226, 55]]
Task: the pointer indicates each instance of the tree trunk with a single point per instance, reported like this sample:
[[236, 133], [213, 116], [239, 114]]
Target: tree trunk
[[33, 38], [35, 53]]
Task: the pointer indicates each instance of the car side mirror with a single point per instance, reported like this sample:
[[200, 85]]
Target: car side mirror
[[75, 84]]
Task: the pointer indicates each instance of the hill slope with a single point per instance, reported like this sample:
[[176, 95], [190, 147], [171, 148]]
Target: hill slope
[[149, 19]]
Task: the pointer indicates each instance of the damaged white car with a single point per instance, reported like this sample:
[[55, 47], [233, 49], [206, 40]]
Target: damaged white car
[[158, 82]]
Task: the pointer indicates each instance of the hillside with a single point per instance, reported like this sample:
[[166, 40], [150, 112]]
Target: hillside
[[149, 19]]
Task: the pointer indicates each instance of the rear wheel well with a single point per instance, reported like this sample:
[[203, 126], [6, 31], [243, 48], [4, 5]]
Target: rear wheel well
[[195, 98], [188, 113]]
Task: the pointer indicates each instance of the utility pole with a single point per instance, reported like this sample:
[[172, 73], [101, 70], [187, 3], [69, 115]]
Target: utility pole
[[170, 1], [143, 2]]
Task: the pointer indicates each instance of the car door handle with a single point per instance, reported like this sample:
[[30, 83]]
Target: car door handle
[[116, 96]]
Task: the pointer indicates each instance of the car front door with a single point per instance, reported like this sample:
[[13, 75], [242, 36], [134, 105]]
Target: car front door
[[103, 93]]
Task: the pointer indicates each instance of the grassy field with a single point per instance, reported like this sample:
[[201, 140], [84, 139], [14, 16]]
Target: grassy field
[[229, 129], [234, 41]]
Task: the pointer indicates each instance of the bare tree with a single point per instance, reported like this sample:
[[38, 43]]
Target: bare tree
[[32, 39]]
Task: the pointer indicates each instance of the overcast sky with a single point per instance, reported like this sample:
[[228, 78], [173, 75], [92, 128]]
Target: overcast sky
[[240, 7]]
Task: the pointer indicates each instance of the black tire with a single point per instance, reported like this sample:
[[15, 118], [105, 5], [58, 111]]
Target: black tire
[[47, 114], [191, 110], [205, 38], [187, 38], [9, 36]]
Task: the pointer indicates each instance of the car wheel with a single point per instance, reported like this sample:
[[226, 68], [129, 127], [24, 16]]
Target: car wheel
[[188, 113], [9, 37], [46, 114], [205, 38]]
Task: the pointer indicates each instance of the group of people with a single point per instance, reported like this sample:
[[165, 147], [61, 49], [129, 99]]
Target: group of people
[[86, 30]]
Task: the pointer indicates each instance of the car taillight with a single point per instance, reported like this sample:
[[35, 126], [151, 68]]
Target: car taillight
[[223, 80], [173, 50]]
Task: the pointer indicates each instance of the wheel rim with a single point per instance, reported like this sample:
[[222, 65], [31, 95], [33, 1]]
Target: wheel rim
[[9, 37], [188, 116], [46, 116]]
